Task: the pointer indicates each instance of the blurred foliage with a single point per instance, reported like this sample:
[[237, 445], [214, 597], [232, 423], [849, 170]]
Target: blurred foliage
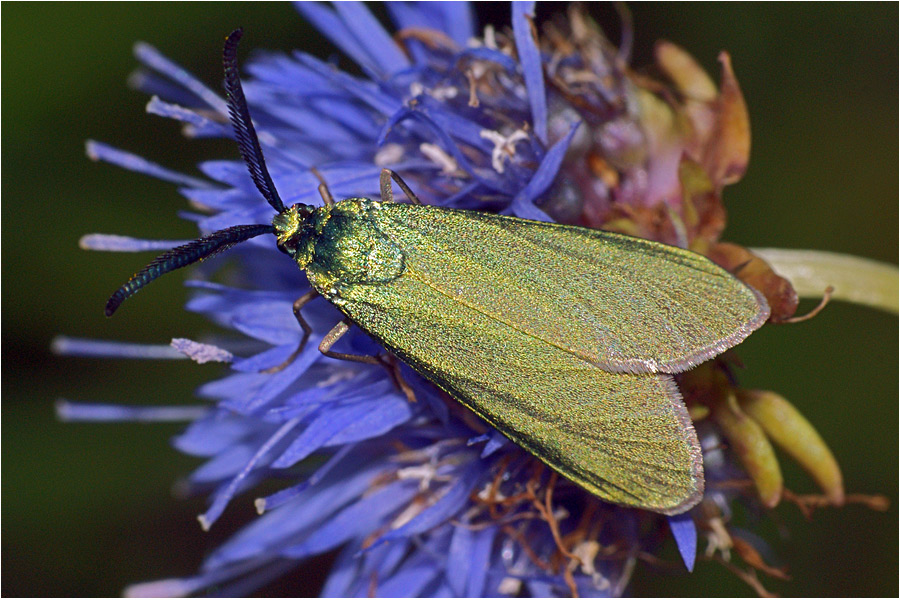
[[88, 509]]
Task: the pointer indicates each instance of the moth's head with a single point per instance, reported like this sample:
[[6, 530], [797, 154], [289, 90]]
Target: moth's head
[[294, 228]]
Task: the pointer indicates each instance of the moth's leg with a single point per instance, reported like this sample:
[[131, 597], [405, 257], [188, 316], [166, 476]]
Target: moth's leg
[[327, 198], [386, 360], [387, 192], [392, 365], [331, 339], [299, 303]]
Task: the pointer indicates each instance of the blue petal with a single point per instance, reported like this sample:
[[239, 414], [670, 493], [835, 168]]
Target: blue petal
[[153, 84], [232, 386], [275, 500], [226, 296], [368, 514], [343, 574], [378, 59], [532, 69], [468, 560], [232, 172], [408, 14], [218, 200], [314, 392], [223, 465], [480, 559], [497, 441], [406, 113], [523, 204], [272, 322], [211, 435], [329, 24], [274, 384], [111, 349], [453, 18], [103, 242], [458, 126], [365, 27], [410, 582], [358, 421], [165, 588], [186, 115], [151, 57], [484, 437], [487, 177], [224, 496], [209, 129], [456, 19], [132, 162], [71, 412], [389, 412], [447, 506], [387, 559], [309, 511], [347, 180], [345, 125], [363, 90], [270, 358], [289, 78], [685, 533], [425, 390], [483, 53], [442, 591]]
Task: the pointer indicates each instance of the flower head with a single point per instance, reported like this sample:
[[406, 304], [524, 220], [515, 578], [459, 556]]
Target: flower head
[[424, 498]]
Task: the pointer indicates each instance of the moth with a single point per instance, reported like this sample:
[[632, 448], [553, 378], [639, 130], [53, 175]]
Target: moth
[[563, 338]]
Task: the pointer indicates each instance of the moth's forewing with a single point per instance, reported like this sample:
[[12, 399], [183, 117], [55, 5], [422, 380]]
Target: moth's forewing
[[623, 303]]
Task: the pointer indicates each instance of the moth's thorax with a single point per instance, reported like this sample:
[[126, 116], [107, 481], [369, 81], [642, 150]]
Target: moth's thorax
[[339, 245]]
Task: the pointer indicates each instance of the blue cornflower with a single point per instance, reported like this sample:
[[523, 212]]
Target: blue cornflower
[[421, 499]]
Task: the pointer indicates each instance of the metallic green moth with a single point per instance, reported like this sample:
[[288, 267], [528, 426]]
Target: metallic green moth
[[562, 338]]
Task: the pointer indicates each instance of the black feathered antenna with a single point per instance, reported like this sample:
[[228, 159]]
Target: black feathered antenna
[[248, 142], [218, 241], [183, 256]]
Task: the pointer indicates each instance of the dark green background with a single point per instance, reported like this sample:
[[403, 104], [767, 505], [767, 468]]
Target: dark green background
[[88, 509]]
